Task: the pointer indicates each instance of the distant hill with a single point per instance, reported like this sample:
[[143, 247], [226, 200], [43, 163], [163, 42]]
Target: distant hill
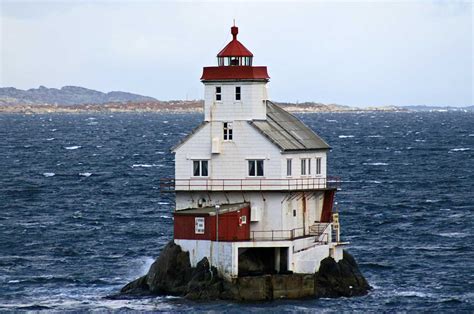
[[67, 95], [437, 108]]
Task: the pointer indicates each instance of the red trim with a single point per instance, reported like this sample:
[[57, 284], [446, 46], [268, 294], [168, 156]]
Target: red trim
[[234, 73], [328, 202]]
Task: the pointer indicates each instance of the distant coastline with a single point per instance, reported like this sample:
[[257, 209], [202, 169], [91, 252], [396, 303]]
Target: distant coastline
[[75, 99], [194, 106]]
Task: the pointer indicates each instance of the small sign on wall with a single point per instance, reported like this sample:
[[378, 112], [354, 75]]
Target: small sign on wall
[[199, 225]]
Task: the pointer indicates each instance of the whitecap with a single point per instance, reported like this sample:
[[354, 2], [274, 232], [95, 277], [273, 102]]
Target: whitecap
[[85, 174], [375, 136], [143, 165], [418, 294], [49, 174], [375, 164], [50, 139], [72, 147], [431, 201], [329, 120], [346, 136], [166, 217], [420, 140], [163, 203], [13, 281], [471, 135], [374, 181], [461, 149], [454, 234]]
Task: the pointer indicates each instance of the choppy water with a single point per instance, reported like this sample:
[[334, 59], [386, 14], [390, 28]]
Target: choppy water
[[81, 213]]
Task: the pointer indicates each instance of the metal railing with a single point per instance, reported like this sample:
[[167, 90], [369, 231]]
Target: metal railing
[[248, 184], [277, 235]]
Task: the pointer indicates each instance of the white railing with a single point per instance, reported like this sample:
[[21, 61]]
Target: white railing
[[205, 184]]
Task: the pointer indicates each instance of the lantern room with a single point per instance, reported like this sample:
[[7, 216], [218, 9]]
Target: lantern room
[[234, 54]]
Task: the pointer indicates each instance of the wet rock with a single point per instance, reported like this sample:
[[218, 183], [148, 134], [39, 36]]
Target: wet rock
[[340, 279], [172, 274]]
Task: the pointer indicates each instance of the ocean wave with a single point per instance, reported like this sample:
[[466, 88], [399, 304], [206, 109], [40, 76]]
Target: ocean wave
[[72, 147], [346, 136], [166, 217], [375, 164], [454, 234], [49, 174], [375, 136], [50, 139], [461, 149], [85, 174], [145, 165]]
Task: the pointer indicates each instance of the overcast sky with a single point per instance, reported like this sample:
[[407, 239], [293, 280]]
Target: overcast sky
[[352, 53]]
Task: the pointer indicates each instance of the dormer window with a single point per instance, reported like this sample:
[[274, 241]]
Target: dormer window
[[237, 93], [218, 93]]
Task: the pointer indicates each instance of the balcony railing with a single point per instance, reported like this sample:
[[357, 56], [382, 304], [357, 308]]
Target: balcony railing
[[205, 184]]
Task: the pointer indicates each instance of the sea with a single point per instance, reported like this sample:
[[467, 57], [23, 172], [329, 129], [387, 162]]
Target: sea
[[81, 212]]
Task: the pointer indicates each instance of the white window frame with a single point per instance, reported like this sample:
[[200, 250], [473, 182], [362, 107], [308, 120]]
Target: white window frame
[[199, 225], [319, 165], [218, 93], [200, 167], [289, 167], [243, 219], [305, 166], [239, 93], [228, 131], [255, 167]]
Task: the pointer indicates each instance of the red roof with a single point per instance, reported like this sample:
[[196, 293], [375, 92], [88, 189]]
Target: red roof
[[235, 47], [234, 73]]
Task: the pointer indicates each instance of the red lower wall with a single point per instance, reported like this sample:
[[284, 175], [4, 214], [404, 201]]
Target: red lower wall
[[230, 226]]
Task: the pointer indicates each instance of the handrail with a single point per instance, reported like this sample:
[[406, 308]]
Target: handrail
[[259, 184], [277, 235]]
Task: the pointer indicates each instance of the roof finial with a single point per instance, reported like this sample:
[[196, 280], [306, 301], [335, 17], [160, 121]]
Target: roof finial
[[234, 30]]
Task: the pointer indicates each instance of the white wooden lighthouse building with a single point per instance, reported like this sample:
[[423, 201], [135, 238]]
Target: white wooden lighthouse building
[[252, 194]]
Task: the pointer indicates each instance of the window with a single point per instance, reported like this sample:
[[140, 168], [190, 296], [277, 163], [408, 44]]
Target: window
[[199, 225], [243, 220], [305, 166], [256, 168], [218, 93], [237, 93], [318, 165], [288, 167], [200, 168], [228, 136]]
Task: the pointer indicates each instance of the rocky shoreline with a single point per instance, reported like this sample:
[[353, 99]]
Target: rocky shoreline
[[172, 274]]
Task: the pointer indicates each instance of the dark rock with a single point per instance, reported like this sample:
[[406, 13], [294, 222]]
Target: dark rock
[[172, 274], [340, 279]]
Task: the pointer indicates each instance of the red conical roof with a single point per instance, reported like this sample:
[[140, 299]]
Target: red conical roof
[[235, 47]]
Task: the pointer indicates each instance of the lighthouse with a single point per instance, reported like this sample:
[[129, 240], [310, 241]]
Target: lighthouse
[[251, 185]]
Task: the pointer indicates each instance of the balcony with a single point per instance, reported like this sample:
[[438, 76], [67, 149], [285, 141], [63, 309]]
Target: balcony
[[216, 185]]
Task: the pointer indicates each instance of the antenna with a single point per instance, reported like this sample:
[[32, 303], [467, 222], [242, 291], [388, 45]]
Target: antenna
[[234, 22]]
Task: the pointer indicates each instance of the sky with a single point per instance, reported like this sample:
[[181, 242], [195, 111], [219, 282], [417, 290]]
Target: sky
[[372, 53]]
